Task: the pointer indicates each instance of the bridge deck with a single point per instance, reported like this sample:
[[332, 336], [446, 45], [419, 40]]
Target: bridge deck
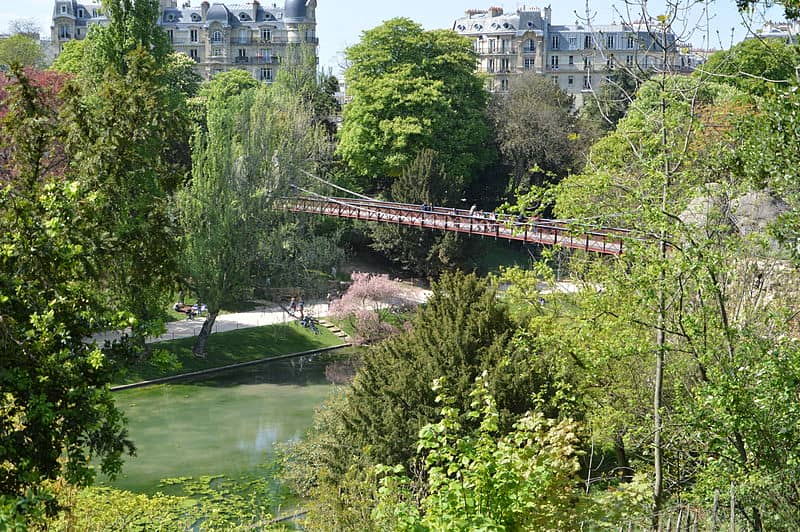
[[533, 231]]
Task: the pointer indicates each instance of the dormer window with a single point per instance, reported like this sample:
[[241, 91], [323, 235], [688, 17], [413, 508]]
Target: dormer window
[[244, 16], [170, 17], [63, 9], [80, 13], [195, 17]]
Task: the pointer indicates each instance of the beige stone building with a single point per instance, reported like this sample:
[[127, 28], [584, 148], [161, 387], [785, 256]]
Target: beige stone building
[[218, 36], [578, 58]]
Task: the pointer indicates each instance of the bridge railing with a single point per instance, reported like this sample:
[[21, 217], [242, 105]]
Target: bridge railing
[[531, 230]]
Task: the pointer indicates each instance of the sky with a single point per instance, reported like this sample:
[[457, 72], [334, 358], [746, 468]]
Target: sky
[[340, 23]]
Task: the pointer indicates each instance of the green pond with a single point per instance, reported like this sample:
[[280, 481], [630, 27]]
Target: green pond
[[225, 425]]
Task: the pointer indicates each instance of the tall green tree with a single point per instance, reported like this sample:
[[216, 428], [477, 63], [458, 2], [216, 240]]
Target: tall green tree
[[754, 65], [536, 131], [688, 297], [131, 25], [71, 58], [413, 89], [56, 412], [256, 142], [22, 49], [121, 137]]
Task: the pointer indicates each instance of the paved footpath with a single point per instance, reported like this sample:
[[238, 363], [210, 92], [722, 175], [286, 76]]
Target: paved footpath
[[269, 314]]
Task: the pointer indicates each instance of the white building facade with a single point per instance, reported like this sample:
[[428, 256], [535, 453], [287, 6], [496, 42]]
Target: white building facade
[[218, 37], [578, 58]]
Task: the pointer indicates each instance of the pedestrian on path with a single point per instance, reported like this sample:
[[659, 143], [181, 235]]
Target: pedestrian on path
[[302, 306], [293, 305]]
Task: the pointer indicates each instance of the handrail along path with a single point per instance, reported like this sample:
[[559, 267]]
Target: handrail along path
[[544, 231]]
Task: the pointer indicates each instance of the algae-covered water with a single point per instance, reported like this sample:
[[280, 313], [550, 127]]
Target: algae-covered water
[[225, 425]]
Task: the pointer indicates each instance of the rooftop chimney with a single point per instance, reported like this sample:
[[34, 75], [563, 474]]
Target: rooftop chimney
[[204, 9], [495, 11], [256, 5]]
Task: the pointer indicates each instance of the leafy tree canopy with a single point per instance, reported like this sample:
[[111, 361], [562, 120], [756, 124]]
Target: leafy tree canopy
[[227, 84], [413, 89], [461, 332], [131, 25], [72, 57], [56, 413], [536, 131], [754, 65], [22, 49]]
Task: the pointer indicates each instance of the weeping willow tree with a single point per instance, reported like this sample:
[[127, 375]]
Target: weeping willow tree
[[256, 142]]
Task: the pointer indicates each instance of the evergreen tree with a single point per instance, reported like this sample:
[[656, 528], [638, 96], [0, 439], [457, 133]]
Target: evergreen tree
[[462, 331]]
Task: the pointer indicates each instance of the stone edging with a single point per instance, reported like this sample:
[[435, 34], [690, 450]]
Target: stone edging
[[211, 371]]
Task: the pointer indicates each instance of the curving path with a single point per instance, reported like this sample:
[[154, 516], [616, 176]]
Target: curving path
[[269, 314]]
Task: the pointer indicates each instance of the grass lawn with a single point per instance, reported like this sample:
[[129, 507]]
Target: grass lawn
[[243, 345]]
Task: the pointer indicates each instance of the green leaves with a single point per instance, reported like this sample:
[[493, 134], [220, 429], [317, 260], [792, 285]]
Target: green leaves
[[413, 90], [482, 480]]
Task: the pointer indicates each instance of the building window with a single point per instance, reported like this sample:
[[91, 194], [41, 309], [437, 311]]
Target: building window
[[266, 34], [193, 35], [586, 62], [244, 36], [631, 41], [242, 52], [195, 17], [216, 52], [77, 32], [610, 42], [530, 45], [554, 42], [530, 63], [573, 42], [490, 65], [610, 63], [505, 65], [503, 85], [587, 82], [491, 45], [571, 60], [216, 36], [265, 74], [63, 9], [193, 53], [63, 32], [587, 42], [505, 46], [554, 61], [80, 13], [555, 80], [570, 80], [629, 60], [171, 35]]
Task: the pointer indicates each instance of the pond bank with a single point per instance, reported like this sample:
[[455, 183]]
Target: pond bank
[[211, 371]]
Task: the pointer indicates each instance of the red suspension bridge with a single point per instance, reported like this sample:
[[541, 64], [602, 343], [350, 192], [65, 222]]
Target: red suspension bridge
[[542, 231]]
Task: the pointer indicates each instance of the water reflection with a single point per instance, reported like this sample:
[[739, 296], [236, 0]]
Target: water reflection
[[222, 425]]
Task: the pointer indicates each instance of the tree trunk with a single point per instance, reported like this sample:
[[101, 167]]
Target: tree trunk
[[622, 458], [199, 349]]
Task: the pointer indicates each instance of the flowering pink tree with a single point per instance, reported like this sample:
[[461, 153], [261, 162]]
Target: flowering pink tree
[[363, 302]]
